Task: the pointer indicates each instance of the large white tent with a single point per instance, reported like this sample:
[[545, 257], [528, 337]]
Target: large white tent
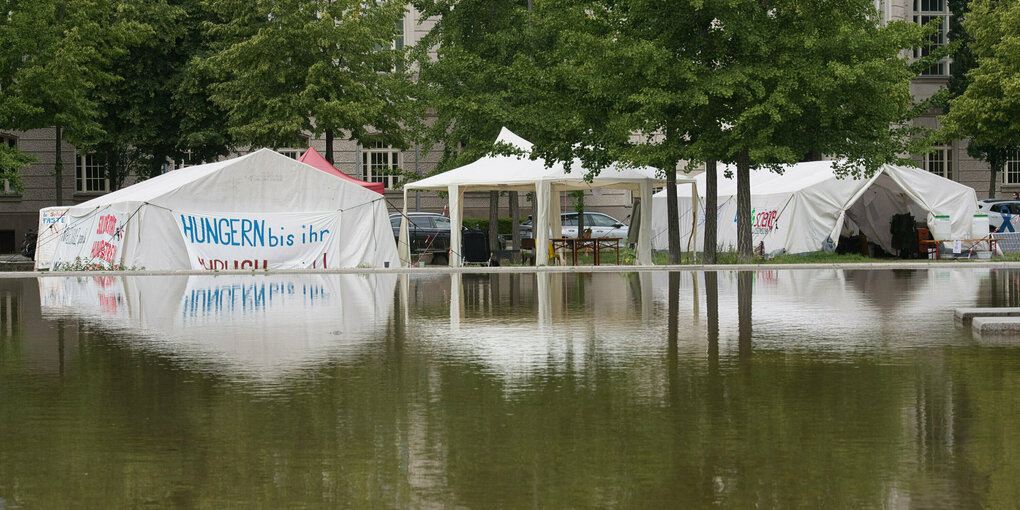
[[806, 207], [513, 173], [259, 211]]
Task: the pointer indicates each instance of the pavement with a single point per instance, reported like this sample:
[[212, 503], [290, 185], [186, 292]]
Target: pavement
[[17, 262], [17, 266]]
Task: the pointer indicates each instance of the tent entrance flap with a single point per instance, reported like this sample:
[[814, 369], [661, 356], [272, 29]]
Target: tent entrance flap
[[871, 214]]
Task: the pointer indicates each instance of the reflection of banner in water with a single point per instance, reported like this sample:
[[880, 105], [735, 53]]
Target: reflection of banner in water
[[256, 324], [260, 240], [93, 238], [93, 296]]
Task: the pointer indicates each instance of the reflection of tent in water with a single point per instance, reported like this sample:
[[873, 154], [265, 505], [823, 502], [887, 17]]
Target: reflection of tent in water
[[806, 208], [257, 325], [836, 310]]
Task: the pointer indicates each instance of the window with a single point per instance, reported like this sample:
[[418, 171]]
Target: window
[[290, 153], [939, 162], [379, 164], [90, 175], [398, 36], [599, 220], [5, 185], [1011, 169], [933, 11], [441, 223]]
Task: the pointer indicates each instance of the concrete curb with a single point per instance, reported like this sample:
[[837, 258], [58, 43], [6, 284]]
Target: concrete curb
[[541, 269]]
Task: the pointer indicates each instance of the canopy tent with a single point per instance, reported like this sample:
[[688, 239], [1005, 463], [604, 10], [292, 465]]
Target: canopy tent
[[805, 208], [312, 157], [259, 211], [513, 173]]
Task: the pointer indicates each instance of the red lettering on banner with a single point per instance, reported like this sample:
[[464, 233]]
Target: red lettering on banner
[[107, 224], [104, 250], [221, 264]]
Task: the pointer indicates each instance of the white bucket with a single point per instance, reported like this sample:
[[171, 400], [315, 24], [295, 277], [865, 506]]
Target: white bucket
[[942, 230], [979, 226]]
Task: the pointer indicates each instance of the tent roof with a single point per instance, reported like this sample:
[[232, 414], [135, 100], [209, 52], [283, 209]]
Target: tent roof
[[242, 182], [801, 176], [313, 158], [766, 182], [519, 172]]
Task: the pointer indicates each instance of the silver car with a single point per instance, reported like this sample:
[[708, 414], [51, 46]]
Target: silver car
[[601, 225]]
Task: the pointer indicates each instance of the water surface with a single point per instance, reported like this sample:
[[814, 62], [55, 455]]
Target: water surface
[[769, 388]]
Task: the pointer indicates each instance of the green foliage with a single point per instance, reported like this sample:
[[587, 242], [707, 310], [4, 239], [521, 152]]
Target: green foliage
[[81, 264], [483, 66], [57, 53], [11, 160], [282, 69], [155, 113], [986, 106], [505, 224]]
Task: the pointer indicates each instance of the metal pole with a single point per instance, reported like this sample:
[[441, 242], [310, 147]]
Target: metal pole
[[417, 170]]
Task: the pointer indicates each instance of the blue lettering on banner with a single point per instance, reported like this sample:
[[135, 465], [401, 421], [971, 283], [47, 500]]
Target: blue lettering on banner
[[245, 232]]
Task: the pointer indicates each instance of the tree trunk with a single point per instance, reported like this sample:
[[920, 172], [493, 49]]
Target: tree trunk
[[329, 146], [995, 162], [515, 220], [493, 220], [672, 215], [579, 209], [744, 240], [711, 211], [58, 171]]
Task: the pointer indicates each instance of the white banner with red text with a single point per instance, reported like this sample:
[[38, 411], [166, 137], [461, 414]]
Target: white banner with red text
[[259, 241], [92, 240]]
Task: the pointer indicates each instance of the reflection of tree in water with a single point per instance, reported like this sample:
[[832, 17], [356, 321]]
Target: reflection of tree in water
[[1002, 288]]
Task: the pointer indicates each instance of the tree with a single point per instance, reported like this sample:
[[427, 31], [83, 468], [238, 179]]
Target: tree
[[756, 83], [155, 113], [56, 54], [289, 67], [467, 65], [986, 106]]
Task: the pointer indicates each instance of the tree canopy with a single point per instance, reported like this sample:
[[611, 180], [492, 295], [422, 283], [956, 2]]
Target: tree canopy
[[675, 83], [284, 68], [988, 107]]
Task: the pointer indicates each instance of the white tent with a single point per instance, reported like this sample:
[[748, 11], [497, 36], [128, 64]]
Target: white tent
[[259, 211], [805, 208], [512, 173]]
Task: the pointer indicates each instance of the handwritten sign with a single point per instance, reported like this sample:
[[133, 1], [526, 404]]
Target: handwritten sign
[[94, 238], [229, 241]]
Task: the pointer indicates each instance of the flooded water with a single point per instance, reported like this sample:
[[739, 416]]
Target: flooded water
[[769, 389]]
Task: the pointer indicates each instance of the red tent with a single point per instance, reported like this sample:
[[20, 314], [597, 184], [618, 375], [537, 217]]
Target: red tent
[[313, 158]]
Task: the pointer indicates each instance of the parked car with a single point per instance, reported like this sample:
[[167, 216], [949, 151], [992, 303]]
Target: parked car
[[998, 210], [601, 225], [429, 234]]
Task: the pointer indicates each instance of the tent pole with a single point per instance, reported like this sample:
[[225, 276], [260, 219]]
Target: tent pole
[[456, 223], [644, 240], [403, 244], [540, 224]]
